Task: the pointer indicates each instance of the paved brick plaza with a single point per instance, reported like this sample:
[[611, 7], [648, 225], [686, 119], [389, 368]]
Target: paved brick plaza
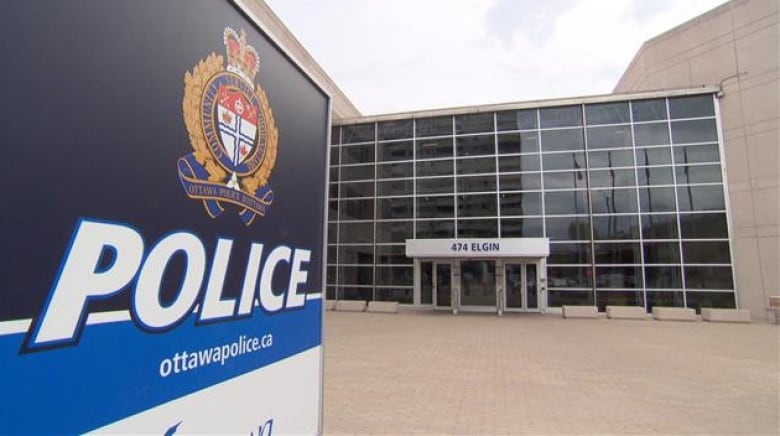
[[481, 374]]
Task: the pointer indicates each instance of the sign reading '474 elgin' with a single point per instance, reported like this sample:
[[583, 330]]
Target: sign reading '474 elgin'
[[125, 307], [232, 130]]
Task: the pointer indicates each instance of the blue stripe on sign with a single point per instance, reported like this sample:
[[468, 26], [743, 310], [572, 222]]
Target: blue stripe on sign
[[114, 372]]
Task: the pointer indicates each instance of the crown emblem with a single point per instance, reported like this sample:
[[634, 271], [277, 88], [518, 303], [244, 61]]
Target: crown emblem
[[242, 58]]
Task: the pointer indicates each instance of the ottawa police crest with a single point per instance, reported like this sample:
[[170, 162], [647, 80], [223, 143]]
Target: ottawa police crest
[[232, 132]]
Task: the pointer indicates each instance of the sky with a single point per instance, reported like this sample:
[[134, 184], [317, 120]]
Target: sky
[[400, 55]]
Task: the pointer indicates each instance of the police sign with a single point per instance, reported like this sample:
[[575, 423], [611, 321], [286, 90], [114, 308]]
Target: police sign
[[162, 232]]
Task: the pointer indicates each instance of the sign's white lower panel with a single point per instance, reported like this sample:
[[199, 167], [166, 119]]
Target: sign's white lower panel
[[282, 398], [474, 247]]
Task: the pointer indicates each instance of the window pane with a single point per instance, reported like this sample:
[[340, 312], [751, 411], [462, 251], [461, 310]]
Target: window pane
[[609, 137], [335, 135], [565, 180], [651, 134], [394, 208], [663, 277], [606, 113], [562, 140], [356, 255], [474, 123], [615, 227], [696, 153], [617, 252], [569, 276], [698, 174], [693, 198], [356, 209], [525, 142], [332, 235], [434, 168], [395, 254], [698, 300], [358, 189], [356, 233], [569, 253], [395, 151], [478, 228], [612, 178], [440, 185], [708, 277], [516, 120], [650, 176], [568, 228], [476, 165], [477, 184], [614, 201], [611, 158], [526, 203], [395, 170], [434, 148], [395, 276], [401, 295], [560, 116], [354, 293], [694, 131], [356, 275], [360, 172], [394, 187], [656, 200], [706, 252], [521, 228], [357, 133], [649, 110], [477, 205], [664, 299], [434, 126], [353, 154], [575, 298], [564, 161], [691, 107], [528, 162], [653, 156], [662, 252], [704, 226], [334, 155], [435, 229], [659, 226], [520, 182], [619, 298], [400, 129], [565, 203], [435, 207], [393, 231], [618, 277], [476, 145]]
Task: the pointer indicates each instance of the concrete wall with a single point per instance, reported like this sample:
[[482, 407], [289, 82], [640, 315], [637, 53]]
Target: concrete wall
[[735, 46], [342, 107]]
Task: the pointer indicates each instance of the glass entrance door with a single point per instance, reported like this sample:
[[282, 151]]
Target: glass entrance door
[[478, 283], [522, 286], [442, 285]]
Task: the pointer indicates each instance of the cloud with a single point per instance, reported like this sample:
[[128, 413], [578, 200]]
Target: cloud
[[400, 55]]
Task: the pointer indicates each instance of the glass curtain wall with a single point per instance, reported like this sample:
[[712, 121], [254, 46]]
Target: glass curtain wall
[[630, 194]]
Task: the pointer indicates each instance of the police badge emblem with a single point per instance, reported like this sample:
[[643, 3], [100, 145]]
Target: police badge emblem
[[232, 132]]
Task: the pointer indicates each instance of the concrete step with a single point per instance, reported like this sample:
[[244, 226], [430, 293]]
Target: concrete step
[[580, 312], [350, 306], [673, 314], [383, 306], [627, 312], [725, 315]]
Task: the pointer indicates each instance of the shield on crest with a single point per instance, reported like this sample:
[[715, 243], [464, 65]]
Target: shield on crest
[[237, 124]]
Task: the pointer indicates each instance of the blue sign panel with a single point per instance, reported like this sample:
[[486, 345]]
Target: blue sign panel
[[162, 230]]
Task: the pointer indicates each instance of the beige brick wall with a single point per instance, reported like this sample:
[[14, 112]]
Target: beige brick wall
[[735, 46]]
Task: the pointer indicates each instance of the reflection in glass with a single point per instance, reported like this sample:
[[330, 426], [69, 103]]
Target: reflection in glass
[[474, 123], [663, 277], [481, 228], [560, 116], [435, 229], [611, 178], [694, 198], [607, 113], [395, 275], [439, 185], [435, 207], [609, 137], [357, 133], [520, 182], [531, 287], [476, 165], [698, 174], [614, 201], [706, 252], [527, 162], [394, 208], [691, 106], [653, 156], [649, 110], [694, 131], [526, 203], [611, 158], [699, 300], [652, 176], [619, 298], [565, 180], [401, 295], [516, 120], [615, 227], [659, 226], [477, 205], [618, 277], [696, 153], [704, 226], [562, 140], [359, 172], [389, 151], [478, 282], [521, 228], [434, 148], [564, 161], [476, 145], [664, 299], [525, 142], [571, 253], [477, 184], [395, 254], [429, 168], [662, 252], [651, 134], [354, 154], [398, 129], [443, 286], [356, 255], [437, 126], [335, 135], [356, 190], [575, 298], [566, 202], [569, 276], [513, 274], [426, 283], [356, 209], [656, 199], [394, 187], [357, 233], [708, 277], [617, 252], [568, 228], [392, 171]]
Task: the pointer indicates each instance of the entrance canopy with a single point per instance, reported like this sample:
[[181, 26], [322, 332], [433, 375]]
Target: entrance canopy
[[478, 247]]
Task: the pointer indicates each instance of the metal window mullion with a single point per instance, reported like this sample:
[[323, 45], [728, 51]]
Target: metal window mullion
[[541, 174], [455, 177], [590, 206], [638, 206], [498, 187], [677, 206], [376, 211]]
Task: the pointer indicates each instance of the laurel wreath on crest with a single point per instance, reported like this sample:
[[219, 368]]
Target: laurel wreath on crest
[[194, 84]]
